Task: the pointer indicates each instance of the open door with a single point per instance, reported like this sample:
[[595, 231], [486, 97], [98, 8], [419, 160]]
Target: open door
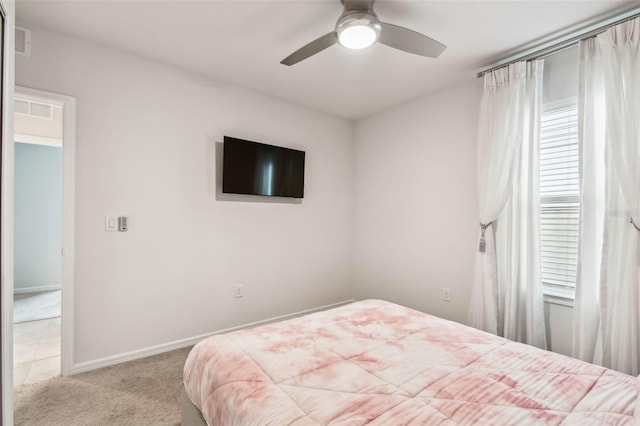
[[7, 28], [2, 144]]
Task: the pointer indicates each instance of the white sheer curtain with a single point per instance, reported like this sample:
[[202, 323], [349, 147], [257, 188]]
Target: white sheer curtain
[[592, 199], [610, 71], [506, 297]]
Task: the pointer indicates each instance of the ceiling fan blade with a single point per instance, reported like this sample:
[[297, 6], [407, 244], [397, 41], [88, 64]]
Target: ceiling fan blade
[[316, 46], [410, 41]]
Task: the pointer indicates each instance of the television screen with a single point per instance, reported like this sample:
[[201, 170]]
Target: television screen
[[259, 169]]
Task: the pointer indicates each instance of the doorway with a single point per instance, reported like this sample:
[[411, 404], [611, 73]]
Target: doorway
[[43, 235], [38, 127]]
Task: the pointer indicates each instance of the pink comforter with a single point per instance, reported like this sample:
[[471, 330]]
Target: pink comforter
[[377, 363]]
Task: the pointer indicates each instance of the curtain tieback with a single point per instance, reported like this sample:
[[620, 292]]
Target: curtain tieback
[[482, 246], [634, 224]]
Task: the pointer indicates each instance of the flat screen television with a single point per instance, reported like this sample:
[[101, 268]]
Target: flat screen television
[[259, 169]]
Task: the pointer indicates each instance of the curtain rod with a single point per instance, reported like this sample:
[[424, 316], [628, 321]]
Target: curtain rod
[[562, 43]]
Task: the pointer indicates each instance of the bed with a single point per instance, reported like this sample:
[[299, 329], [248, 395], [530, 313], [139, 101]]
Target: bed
[[377, 363]]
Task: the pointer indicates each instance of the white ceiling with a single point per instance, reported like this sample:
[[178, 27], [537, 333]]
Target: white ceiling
[[243, 41]]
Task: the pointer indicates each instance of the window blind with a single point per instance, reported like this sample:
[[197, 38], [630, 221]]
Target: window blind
[[559, 199]]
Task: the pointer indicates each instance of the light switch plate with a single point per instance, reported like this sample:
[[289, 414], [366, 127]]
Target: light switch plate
[[110, 223]]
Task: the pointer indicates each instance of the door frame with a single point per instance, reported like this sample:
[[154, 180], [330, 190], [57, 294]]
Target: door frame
[[7, 74], [68, 104]]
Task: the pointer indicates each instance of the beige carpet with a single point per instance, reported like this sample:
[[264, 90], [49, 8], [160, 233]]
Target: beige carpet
[[141, 392]]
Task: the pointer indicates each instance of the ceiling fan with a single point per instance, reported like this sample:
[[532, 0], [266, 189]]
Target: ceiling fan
[[359, 27]]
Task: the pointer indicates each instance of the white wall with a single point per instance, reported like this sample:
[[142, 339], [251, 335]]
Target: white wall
[[38, 217], [561, 75], [416, 218], [145, 148], [559, 319], [416, 207]]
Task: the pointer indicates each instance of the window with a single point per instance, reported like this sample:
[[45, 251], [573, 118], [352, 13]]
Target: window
[[559, 197]]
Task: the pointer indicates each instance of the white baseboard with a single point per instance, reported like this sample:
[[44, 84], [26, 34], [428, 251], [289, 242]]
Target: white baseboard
[[166, 347], [35, 289]]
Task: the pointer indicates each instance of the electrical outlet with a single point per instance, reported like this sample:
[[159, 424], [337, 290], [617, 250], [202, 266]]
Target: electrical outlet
[[238, 292], [446, 294]]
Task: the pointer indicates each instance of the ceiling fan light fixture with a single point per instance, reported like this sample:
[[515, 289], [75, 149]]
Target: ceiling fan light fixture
[[358, 30], [357, 37]]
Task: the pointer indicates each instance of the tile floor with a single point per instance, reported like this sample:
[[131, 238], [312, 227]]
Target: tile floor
[[36, 351]]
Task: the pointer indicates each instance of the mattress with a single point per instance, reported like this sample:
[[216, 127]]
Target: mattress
[[377, 363]]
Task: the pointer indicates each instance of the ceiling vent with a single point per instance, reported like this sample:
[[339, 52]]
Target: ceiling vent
[[21, 107], [23, 41], [41, 110], [34, 109]]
